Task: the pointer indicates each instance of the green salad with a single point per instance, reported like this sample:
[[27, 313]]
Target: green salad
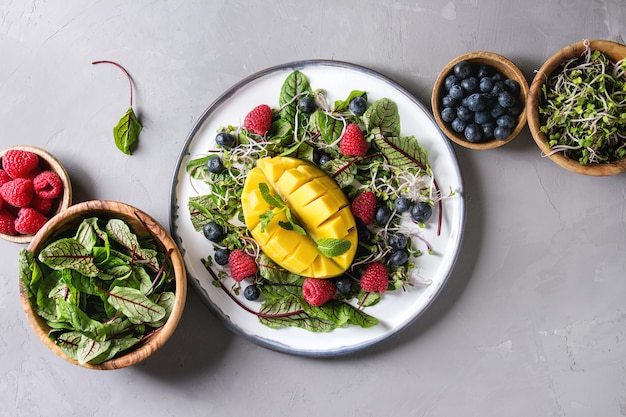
[[306, 126]]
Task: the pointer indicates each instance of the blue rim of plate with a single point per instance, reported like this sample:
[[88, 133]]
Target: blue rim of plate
[[295, 66]]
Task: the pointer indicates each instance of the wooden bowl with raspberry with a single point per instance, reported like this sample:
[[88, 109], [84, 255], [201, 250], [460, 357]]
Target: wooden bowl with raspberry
[[34, 187]]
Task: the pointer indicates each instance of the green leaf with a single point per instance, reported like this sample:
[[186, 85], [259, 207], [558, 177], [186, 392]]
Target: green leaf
[[402, 152], [341, 171], [331, 247], [127, 131], [80, 347], [330, 128], [68, 253], [119, 231], [294, 85], [88, 233], [274, 200], [344, 105], [383, 114], [134, 305]]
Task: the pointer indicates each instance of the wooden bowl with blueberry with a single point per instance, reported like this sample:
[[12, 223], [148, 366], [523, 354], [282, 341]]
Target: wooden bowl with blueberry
[[479, 99], [34, 186]]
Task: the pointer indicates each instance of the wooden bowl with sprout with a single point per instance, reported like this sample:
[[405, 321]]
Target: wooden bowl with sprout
[[484, 114], [103, 285], [574, 111], [46, 162]]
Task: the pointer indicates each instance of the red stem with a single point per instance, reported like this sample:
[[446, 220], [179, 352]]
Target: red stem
[[128, 77]]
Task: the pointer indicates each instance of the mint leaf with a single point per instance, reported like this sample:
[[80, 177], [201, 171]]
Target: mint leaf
[[294, 225], [331, 247], [127, 131], [273, 200], [266, 218]]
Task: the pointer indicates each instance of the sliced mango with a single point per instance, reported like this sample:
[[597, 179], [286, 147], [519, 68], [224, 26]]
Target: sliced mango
[[318, 205]]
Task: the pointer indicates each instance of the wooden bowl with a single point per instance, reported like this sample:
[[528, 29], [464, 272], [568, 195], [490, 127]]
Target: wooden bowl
[[615, 52], [502, 65], [46, 161], [142, 225]]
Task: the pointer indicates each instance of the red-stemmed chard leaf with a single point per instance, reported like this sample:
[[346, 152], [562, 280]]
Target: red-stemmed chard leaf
[[68, 253]]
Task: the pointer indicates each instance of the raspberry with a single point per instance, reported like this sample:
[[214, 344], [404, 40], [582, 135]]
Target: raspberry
[[259, 119], [18, 163], [353, 142], [7, 223], [29, 221], [375, 278], [318, 291], [364, 207], [4, 177], [47, 185], [242, 265], [18, 192], [42, 205]]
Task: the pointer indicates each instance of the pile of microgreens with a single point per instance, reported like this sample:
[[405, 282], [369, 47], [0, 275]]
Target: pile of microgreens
[[583, 109]]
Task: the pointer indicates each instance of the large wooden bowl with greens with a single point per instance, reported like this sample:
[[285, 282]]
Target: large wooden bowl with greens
[[103, 285], [569, 109]]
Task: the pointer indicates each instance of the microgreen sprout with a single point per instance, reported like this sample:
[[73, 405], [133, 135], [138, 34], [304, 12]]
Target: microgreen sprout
[[583, 109]]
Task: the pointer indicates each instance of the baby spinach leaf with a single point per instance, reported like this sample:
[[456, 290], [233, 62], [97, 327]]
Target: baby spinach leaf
[[383, 113], [127, 131], [68, 253], [295, 84], [135, 305]]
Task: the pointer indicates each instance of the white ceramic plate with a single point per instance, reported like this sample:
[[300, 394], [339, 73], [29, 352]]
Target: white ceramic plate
[[398, 308]]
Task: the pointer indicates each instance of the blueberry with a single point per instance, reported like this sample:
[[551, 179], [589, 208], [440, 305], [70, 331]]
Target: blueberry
[[382, 215], [402, 204], [484, 71], [398, 258], [515, 110], [448, 114], [481, 117], [307, 104], [458, 125], [225, 140], [398, 241], [497, 77], [473, 133], [477, 102], [421, 212], [485, 85], [316, 156], [463, 113], [488, 129], [506, 121], [511, 86], [501, 133], [456, 91], [358, 105], [214, 164], [470, 84], [497, 111], [221, 256], [498, 87], [506, 99], [323, 159], [343, 284], [213, 231], [448, 101], [462, 70], [364, 234], [450, 81], [252, 292]]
